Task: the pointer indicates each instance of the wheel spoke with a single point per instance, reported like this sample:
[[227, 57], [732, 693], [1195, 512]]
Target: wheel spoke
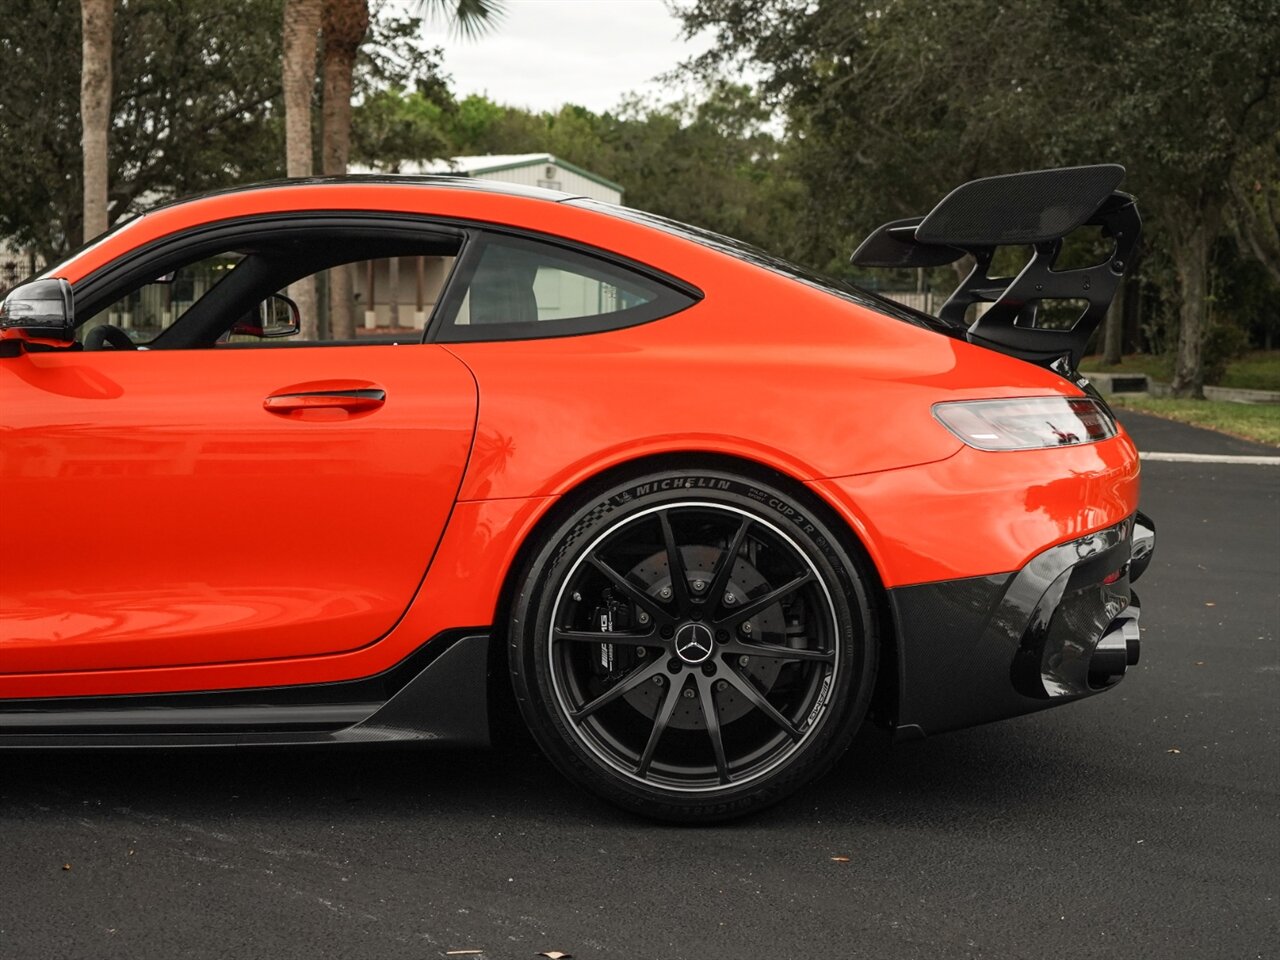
[[706, 697], [628, 683], [660, 574], [675, 563], [748, 689], [660, 722], [774, 651], [649, 639], [633, 593], [715, 593], [752, 607]]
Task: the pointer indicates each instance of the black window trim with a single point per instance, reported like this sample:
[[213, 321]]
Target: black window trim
[[674, 295], [92, 291]]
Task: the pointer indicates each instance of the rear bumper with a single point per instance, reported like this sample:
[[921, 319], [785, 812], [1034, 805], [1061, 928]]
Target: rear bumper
[[1062, 628]]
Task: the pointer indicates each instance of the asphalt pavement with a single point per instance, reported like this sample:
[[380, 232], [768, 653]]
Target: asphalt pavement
[[1142, 823], [1168, 436]]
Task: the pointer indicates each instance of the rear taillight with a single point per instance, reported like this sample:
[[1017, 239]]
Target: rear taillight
[[1027, 423]]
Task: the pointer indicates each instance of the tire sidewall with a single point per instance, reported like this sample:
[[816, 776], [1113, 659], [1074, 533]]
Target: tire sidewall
[[529, 632]]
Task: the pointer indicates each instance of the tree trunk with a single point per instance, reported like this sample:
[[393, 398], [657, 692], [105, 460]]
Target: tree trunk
[[97, 23], [1257, 223], [1113, 331], [1190, 251], [344, 25], [301, 27]]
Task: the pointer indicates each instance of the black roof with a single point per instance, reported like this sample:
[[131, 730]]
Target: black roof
[[437, 180]]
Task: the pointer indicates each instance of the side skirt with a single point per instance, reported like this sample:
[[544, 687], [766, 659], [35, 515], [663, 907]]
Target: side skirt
[[445, 701]]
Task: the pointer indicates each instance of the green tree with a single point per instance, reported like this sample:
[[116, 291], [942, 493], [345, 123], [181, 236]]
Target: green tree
[[1183, 91], [401, 97], [1255, 207], [393, 126], [41, 206], [194, 106], [888, 105], [710, 162], [891, 103]]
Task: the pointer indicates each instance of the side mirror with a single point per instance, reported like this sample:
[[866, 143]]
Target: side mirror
[[276, 316], [39, 310]]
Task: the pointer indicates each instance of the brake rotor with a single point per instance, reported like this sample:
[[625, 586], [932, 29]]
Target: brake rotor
[[699, 564]]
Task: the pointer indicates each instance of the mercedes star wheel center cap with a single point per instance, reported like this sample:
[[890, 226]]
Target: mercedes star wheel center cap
[[694, 642]]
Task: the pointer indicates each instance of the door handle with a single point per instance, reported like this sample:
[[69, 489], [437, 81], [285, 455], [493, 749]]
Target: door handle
[[352, 401]]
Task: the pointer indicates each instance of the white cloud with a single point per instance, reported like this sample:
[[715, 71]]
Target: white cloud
[[546, 53]]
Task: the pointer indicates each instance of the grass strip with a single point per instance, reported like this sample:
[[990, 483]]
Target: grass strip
[[1259, 422]]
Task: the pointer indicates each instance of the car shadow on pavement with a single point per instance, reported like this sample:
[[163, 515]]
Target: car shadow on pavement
[[965, 774]]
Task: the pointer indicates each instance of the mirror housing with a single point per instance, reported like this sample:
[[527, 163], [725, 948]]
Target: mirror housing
[[276, 316], [40, 310]]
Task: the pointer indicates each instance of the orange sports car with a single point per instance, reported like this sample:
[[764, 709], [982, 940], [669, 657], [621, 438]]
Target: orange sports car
[[367, 459]]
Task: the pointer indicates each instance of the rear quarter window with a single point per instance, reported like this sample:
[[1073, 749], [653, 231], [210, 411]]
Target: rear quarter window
[[514, 288]]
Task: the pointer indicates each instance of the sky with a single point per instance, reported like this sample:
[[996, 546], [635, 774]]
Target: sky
[[545, 53]]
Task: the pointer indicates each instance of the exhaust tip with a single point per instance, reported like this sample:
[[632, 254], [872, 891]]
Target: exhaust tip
[[1133, 650], [1118, 649]]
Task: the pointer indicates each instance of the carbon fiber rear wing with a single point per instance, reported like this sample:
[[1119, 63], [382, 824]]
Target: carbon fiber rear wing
[[1038, 208]]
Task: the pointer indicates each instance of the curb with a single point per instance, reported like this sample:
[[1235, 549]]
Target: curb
[[1138, 383]]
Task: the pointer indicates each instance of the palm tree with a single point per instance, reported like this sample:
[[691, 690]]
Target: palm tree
[[301, 31], [96, 22], [471, 18], [345, 24]]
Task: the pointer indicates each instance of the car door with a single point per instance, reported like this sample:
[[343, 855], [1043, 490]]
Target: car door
[[172, 507]]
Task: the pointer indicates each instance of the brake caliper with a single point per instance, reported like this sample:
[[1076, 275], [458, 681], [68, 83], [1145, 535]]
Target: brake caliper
[[611, 616]]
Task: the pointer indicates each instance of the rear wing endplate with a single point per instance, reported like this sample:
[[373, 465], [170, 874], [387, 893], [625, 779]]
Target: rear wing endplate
[[1038, 209]]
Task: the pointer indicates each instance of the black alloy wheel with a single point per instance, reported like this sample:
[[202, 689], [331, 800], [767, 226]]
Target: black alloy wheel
[[693, 646]]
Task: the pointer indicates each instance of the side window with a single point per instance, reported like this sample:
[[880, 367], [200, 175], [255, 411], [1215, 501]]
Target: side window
[[520, 288], [147, 311], [280, 293], [391, 294]]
